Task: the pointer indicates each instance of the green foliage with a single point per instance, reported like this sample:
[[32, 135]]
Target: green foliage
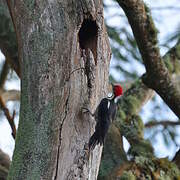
[[132, 128], [7, 34], [151, 26], [172, 60], [127, 175], [169, 64], [158, 168], [141, 148], [125, 52]]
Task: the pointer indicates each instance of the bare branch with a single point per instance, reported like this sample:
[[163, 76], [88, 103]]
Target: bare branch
[[157, 75], [10, 95], [9, 117], [4, 73], [162, 123], [172, 8]]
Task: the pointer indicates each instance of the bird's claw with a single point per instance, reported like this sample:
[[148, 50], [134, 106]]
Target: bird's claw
[[86, 110]]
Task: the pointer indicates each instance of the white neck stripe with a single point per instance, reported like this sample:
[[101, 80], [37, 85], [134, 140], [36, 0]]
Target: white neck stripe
[[108, 104]]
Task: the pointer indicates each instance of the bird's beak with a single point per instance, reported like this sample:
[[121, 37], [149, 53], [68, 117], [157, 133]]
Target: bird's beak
[[110, 88]]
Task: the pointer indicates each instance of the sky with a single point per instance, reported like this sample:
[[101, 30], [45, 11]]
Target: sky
[[166, 21], [6, 140]]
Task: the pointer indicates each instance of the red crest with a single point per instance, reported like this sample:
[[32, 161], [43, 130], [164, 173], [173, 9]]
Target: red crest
[[118, 90]]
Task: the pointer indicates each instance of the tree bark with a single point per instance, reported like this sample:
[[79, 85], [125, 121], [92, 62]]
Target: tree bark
[[64, 52]]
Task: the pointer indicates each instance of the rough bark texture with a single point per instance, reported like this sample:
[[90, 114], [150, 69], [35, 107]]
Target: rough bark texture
[[64, 52]]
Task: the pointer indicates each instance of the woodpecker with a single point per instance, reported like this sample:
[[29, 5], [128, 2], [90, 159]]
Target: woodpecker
[[104, 115]]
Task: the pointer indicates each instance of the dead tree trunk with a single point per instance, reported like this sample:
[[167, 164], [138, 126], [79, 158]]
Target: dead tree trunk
[[64, 53]]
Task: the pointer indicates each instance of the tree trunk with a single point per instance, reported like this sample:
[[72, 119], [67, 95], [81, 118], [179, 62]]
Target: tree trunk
[[64, 52]]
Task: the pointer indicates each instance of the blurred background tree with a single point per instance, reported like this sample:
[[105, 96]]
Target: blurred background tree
[[161, 125], [127, 66]]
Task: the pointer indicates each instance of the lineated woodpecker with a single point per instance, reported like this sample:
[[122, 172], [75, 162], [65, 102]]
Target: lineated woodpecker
[[104, 115]]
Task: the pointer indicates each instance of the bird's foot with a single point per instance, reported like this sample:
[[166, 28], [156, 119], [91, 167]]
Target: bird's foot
[[86, 110]]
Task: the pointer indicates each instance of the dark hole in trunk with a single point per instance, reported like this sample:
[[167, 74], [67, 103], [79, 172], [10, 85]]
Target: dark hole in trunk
[[88, 34]]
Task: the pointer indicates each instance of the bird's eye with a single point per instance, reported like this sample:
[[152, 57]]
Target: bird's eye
[[110, 95]]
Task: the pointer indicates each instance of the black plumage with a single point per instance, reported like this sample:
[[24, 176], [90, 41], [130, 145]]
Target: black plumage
[[105, 114]]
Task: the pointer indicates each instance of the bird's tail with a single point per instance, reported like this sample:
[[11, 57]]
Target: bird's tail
[[95, 139]]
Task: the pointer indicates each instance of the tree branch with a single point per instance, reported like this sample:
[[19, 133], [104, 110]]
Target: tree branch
[[9, 95], [174, 8], [172, 59], [131, 103], [3, 74], [9, 117], [157, 76], [163, 123]]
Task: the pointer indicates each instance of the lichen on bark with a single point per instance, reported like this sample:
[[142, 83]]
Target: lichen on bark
[[59, 76]]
